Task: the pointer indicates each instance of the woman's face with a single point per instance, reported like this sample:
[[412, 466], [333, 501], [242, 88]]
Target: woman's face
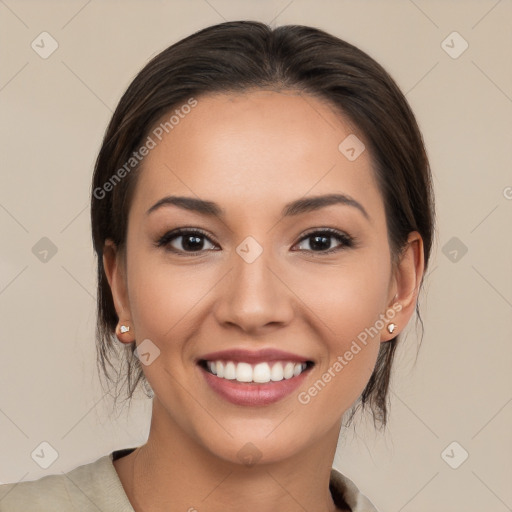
[[258, 277]]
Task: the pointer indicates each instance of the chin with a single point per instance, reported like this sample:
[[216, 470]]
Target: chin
[[255, 444]]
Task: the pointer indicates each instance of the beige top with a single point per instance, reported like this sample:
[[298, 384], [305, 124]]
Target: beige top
[[96, 486]]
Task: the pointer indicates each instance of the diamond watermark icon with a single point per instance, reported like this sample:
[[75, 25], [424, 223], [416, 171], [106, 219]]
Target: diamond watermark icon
[[249, 250], [454, 455], [454, 249], [249, 454], [44, 455], [44, 45], [351, 147], [44, 250], [454, 45], [147, 352]]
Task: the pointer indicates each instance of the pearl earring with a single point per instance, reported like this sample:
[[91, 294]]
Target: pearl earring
[[124, 328], [391, 327]]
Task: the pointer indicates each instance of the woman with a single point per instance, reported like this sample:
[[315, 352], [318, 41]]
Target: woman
[[262, 212]]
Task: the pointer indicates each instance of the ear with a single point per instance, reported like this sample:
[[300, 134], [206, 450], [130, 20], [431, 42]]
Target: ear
[[405, 286], [114, 265]]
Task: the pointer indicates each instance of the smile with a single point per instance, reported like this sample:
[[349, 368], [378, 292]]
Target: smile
[[257, 384], [261, 373]]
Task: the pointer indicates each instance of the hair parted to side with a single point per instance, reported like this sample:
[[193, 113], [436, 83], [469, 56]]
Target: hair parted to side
[[240, 56]]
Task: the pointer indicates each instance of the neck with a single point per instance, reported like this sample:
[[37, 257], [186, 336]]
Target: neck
[[173, 472]]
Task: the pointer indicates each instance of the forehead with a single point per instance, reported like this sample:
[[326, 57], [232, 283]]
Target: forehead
[[253, 149]]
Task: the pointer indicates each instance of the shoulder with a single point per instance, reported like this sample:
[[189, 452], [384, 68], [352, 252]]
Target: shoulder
[[91, 487], [37, 494], [346, 494]]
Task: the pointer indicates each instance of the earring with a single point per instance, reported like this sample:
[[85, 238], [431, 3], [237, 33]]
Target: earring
[[121, 331], [391, 327]]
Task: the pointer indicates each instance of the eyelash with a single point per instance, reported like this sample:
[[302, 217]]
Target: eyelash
[[346, 240]]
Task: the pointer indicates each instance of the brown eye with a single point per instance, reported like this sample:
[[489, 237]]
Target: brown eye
[[185, 241], [320, 241]]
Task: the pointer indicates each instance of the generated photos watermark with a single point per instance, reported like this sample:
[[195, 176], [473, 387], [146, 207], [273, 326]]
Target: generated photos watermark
[[363, 337], [151, 142]]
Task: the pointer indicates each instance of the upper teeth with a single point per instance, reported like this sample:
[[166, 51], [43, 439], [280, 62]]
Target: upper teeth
[[261, 372]]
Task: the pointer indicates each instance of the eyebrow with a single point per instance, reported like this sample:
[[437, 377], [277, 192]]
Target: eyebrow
[[298, 207]]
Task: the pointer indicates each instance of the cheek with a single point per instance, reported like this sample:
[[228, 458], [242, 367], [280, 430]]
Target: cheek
[[347, 298], [163, 296], [347, 303]]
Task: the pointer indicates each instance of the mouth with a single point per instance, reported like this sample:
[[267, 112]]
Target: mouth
[[254, 379]]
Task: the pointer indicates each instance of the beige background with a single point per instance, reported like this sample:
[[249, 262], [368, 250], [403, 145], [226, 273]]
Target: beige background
[[54, 113]]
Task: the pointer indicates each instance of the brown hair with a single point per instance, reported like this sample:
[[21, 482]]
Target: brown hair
[[239, 56]]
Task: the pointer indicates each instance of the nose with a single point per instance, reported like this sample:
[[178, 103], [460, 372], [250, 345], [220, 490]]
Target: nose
[[254, 296]]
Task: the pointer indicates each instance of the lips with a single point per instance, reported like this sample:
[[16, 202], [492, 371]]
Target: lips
[[254, 378]]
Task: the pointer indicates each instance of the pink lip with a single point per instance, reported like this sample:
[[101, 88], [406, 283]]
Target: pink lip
[[253, 394], [253, 357]]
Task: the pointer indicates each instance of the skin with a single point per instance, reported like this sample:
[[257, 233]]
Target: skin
[[251, 153]]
